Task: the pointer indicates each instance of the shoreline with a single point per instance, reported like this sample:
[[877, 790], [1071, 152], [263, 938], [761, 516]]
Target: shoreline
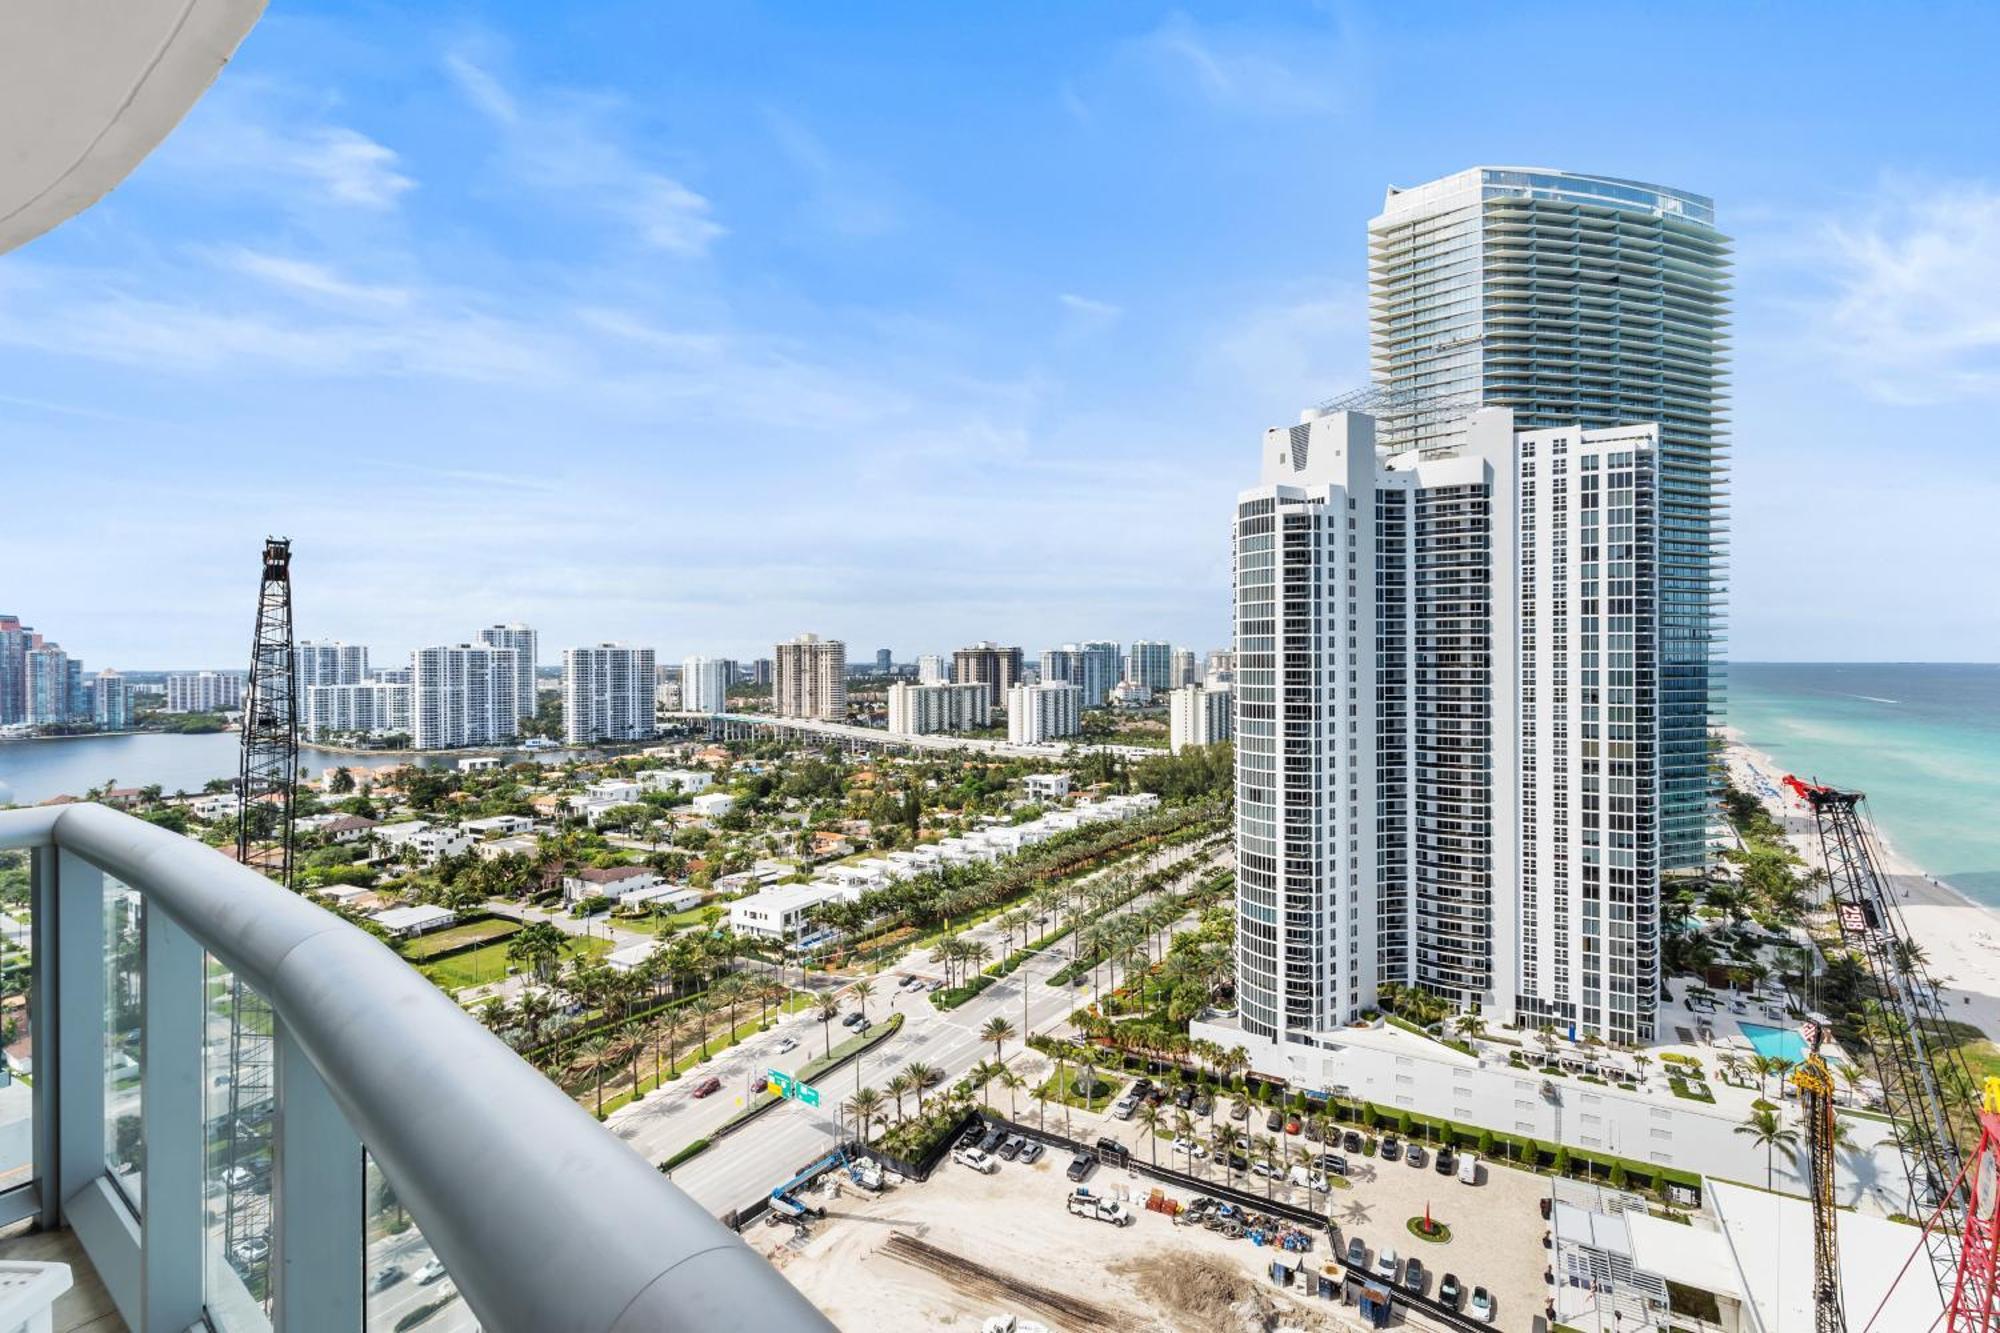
[[1959, 935]]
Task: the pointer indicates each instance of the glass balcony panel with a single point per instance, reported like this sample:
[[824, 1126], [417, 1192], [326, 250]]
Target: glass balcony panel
[[124, 1002], [407, 1285], [17, 1028], [237, 1106]]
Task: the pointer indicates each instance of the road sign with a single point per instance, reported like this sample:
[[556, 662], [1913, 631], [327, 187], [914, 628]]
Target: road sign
[[787, 1086]]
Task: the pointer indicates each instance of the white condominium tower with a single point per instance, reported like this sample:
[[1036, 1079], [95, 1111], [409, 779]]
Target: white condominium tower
[[607, 694], [366, 708], [1446, 734], [1046, 712], [204, 691], [705, 684], [463, 694], [916, 710], [933, 669], [1092, 666], [811, 679], [331, 664], [111, 700], [524, 641], [1197, 715], [1578, 300]]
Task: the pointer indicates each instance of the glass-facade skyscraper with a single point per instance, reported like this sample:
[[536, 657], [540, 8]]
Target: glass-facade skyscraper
[[1577, 299]]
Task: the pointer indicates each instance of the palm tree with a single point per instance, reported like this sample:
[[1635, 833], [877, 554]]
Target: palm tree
[[1013, 1082], [594, 1052], [1149, 1116], [704, 1009], [997, 1030], [1470, 1026], [828, 1010], [900, 1086], [1041, 1096], [1769, 1133], [1267, 1148], [862, 991], [864, 1106], [923, 1078]]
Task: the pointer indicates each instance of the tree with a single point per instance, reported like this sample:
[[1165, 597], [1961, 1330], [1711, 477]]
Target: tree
[[343, 782], [900, 1086], [594, 1052], [997, 1031], [864, 1106], [923, 1078], [1149, 1116], [1769, 1132], [828, 1009], [538, 947], [862, 991]]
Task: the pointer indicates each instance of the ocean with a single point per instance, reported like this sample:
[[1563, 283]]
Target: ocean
[[1921, 739]]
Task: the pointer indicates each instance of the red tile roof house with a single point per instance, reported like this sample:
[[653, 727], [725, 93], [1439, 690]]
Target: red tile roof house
[[611, 882]]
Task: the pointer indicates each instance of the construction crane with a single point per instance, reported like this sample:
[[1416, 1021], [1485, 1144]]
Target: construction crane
[[1815, 1084], [1916, 1060], [267, 787]]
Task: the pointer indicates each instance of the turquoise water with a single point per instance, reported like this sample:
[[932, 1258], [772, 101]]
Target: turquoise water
[[1921, 739], [1783, 1043]]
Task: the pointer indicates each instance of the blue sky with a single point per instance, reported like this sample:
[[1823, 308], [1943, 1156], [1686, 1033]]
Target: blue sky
[[702, 326]]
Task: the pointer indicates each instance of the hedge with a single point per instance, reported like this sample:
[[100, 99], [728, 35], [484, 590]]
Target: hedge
[[957, 995], [695, 1149]]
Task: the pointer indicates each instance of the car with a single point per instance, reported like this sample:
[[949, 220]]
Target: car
[[935, 986], [430, 1273], [1239, 1111], [1010, 1147], [1124, 1108], [1184, 1097], [993, 1139], [1468, 1170], [1260, 1167], [1111, 1150], [1274, 1121], [1085, 1204], [1141, 1086], [1482, 1305], [1351, 1141], [971, 1137], [1446, 1163], [1031, 1152], [708, 1087], [1203, 1104], [788, 1044], [251, 1250], [1415, 1155], [1357, 1253], [1293, 1125], [1310, 1181], [1387, 1265], [1194, 1150], [1391, 1150], [1312, 1131], [384, 1278], [1080, 1166], [981, 1162], [241, 1178], [851, 1019], [1449, 1292], [1238, 1162], [1333, 1163], [1413, 1275], [865, 1023]]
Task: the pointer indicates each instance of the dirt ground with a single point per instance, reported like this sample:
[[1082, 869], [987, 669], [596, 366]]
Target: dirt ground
[[955, 1250]]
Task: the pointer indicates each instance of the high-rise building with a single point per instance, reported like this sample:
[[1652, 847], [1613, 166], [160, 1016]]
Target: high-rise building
[[1197, 715], [1045, 712], [932, 669], [54, 686], [1219, 669], [463, 694], [1102, 669], [111, 701], [204, 691], [1416, 805], [1577, 299], [366, 708], [330, 663], [762, 672], [525, 642], [885, 661], [1062, 666], [811, 679], [608, 694], [1152, 665], [917, 710], [705, 684], [14, 637], [987, 663], [1187, 668]]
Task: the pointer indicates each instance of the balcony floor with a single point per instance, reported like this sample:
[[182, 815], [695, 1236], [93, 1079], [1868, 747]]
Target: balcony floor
[[86, 1307]]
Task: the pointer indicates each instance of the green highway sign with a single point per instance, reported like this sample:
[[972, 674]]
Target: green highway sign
[[787, 1086]]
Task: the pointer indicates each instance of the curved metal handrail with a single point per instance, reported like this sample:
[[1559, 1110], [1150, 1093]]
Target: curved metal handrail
[[545, 1220]]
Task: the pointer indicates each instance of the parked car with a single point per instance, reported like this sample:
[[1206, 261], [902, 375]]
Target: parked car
[[1031, 1152], [1468, 1170], [1415, 1155], [1357, 1253], [1194, 1150], [1449, 1292], [851, 1019], [1446, 1163], [1333, 1163], [708, 1086], [1293, 1125], [1391, 1150], [1141, 1086], [252, 1250], [430, 1273], [1239, 1111], [1387, 1265], [1124, 1107], [1010, 1148], [1413, 1274], [1482, 1305], [1080, 1166], [384, 1278], [1351, 1141], [972, 1137], [1111, 1150], [1312, 1131], [979, 1161], [1260, 1167], [993, 1138], [1274, 1121], [1308, 1180], [1184, 1096], [1203, 1103]]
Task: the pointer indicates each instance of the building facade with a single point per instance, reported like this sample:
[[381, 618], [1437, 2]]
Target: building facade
[[1577, 299], [917, 710], [54, 687], [988, 664], [463, 694], [933, 669], [811, 679], [705, 684], [14, 641], [1187, 667], [608, 694], [527, 645], [330, 663], [1045, 712], [366, 708], [1152, 665], [1197, 715], [204, 691]]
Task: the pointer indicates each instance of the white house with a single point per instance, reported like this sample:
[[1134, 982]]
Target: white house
[[216, 805], [676, 779], [1046, 788], [632, 957], [666, 897], [403, 922], [494, 849], [608, 882], [478, 763], [498, 826], [713, 804], [348, 828], [778, 913], [429, 842]]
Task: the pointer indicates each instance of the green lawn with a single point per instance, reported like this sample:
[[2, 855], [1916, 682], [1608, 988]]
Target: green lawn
[[1064, 1088], [487, 964], [452, 937]]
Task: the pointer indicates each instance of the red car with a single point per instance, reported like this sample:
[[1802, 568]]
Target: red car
[[708, 1085]]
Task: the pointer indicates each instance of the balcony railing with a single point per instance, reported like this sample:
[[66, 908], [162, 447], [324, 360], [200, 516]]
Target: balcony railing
[[140, 941]]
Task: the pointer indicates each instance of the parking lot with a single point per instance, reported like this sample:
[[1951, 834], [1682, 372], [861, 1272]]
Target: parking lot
[[971, 1240]]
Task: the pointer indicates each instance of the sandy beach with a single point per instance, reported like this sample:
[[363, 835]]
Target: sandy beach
[[1961, 937]]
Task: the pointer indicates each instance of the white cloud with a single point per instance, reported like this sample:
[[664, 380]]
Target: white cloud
[[307, 278], [351, 167], [1238, 70], [1914, 312], [1093, 310], [252, 135]]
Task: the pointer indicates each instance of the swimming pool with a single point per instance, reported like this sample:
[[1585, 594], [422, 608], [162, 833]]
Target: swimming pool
[[1784, 1043]]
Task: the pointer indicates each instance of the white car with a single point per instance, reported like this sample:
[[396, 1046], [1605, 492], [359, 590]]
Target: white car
[[252, 1250], [1468, 1170], [430, 1273], [1123, 1108], [1260, 1167], [1309, 1180], [788, 1044], [981, 1162], [1194, 1150], [1482, 1305], [1387, 1265]]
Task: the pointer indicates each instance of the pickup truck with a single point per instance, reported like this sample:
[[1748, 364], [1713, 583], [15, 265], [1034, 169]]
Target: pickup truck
[[1085, 1204], [976, 1159]]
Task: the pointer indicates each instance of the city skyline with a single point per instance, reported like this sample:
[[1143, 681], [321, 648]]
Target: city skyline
[[455, 279]]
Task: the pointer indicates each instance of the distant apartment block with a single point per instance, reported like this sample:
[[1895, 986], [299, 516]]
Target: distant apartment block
[[762, 672], [811, 679], [1187, 669], [608, 694], [988, 664], [464, 694], [1152, 665], [705, 684], [885, 661], [204, 691], [55, 692], [111, 701], [932, 669], [366, 708], [329, 664], [14, 643], [1197, 715], [1046, 712], [917, 710], [527, 643]]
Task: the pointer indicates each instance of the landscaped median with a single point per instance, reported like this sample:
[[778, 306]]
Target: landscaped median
[[825, 1064]]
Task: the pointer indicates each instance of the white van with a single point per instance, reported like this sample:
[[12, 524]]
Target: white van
[[1468, 1170]]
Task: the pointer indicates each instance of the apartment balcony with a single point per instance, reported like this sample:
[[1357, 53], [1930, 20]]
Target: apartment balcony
[[389, 1130]]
